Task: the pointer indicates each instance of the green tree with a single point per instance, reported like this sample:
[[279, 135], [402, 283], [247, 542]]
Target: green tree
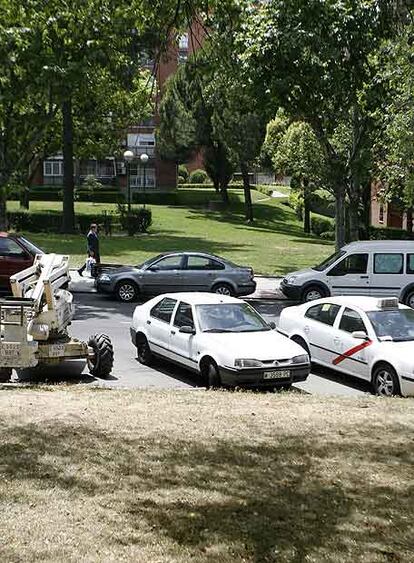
[[319, 63], [299, 154]]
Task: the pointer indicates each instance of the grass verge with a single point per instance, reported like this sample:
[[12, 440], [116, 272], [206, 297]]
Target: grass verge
[[273, 244], [89, 475]]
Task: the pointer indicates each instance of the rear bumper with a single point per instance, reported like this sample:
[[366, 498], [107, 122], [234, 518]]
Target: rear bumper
[[246, 289], [255, 377], [293, 292]]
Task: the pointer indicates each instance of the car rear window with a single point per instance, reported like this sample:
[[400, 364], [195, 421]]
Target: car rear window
[[324, 313], [164, 309]]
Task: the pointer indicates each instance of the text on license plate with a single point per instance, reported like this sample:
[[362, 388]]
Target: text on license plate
[[9, 349], [279, 374]]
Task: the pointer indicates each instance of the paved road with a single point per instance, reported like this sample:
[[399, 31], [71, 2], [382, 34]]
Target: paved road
[[96, 314]]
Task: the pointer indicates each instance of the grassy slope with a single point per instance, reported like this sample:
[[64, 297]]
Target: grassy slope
[[204, 477], [274, 244]]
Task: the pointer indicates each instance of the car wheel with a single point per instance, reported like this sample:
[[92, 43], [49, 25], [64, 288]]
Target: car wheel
[[223, 289], [100, 364], [144, 353], [385, 381], [211, 374], [409, 300], [299, 340], [127, 291], [312, 293]]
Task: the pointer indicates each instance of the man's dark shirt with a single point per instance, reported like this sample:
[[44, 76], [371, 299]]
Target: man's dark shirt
[[93, 242]]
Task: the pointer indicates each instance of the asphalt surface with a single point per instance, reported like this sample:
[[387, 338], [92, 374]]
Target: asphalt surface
[[100, 314]]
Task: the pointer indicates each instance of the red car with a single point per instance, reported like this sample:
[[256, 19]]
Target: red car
[[16, 254]]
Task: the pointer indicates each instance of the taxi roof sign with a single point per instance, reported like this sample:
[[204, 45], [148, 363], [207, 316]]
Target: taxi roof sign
[[388, 303]]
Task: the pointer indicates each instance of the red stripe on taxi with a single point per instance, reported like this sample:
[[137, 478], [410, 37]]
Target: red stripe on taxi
[[351, 352]]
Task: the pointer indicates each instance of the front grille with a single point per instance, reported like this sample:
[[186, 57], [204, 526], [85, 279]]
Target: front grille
[[282, 362]]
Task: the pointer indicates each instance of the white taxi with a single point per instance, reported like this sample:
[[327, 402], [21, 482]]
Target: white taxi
[[223, 339], [366, 337]]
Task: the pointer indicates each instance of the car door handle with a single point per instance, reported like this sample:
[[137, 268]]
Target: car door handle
[[336, 341], [364, 277], [173, 332], [306, 329], [148, 322]]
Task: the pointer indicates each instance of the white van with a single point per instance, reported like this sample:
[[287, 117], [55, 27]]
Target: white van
[[379, 268]]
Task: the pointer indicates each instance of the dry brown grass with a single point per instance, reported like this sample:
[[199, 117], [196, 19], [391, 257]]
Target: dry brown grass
[[204, 477]]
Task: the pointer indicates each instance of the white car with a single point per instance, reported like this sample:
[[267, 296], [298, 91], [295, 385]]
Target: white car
[[366, 337], [221, 338]]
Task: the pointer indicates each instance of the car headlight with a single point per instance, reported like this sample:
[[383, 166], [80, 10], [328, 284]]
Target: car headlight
[[104, 278], [291, 279], [247, 363], [302, 359]]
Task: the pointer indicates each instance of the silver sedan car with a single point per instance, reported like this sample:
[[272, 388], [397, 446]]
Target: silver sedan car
[[177, 271]]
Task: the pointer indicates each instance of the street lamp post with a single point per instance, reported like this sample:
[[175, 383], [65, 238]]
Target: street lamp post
[[144, 159], [128, 157]]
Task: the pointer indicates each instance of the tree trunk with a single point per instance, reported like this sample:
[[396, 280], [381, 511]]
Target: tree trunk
[[306, 208], [247, 194], [339, 217], [353, 209], [410, 220], [68, 225], [3, 210], [224, 193]]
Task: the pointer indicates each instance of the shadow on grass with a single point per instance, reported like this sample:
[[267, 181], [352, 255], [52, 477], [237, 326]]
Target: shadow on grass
[[264, 502]]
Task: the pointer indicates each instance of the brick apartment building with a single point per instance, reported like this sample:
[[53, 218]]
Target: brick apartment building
[[160, 175], [388, 214]]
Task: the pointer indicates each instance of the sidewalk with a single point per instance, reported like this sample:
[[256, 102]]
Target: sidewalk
[[267, 287]]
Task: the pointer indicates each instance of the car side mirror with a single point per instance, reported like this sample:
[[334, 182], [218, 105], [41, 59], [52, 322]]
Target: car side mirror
[[187, 330], [360, 335], [153, 268], [272, 325]]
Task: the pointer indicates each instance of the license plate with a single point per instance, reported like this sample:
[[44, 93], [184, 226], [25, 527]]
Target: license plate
[[279, 374], [56, 350], [9, 349]]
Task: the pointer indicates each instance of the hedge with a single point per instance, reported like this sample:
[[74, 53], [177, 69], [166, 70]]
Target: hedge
[[321, 225], [385, 233], [52, 222]]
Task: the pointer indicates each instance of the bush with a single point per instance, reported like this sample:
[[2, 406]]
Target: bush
[[328, 235], [135, 220], [385, 233], [321, 225], [183, 173], [296, 202], [198, 177], [205, 186], [52, 222]]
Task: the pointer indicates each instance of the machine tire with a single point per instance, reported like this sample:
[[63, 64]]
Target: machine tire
[[385, 381], [223, 289], [5, 374], [144, 353], [126, 291], [101, 364], [313, 292]]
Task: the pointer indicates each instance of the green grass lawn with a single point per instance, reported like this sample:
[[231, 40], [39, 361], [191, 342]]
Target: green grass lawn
[[274, 244], [204, 477]]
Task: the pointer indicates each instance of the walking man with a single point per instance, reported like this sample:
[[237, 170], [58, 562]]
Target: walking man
[[92, 246]]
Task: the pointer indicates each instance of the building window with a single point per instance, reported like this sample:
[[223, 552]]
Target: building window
[[136, 177], [53, 168], [183, 48], [381, 214]]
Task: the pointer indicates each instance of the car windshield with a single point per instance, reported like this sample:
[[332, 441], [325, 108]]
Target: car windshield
[[329, 261], [149, 261], [230, 317], [397, 325], [32, 248]]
